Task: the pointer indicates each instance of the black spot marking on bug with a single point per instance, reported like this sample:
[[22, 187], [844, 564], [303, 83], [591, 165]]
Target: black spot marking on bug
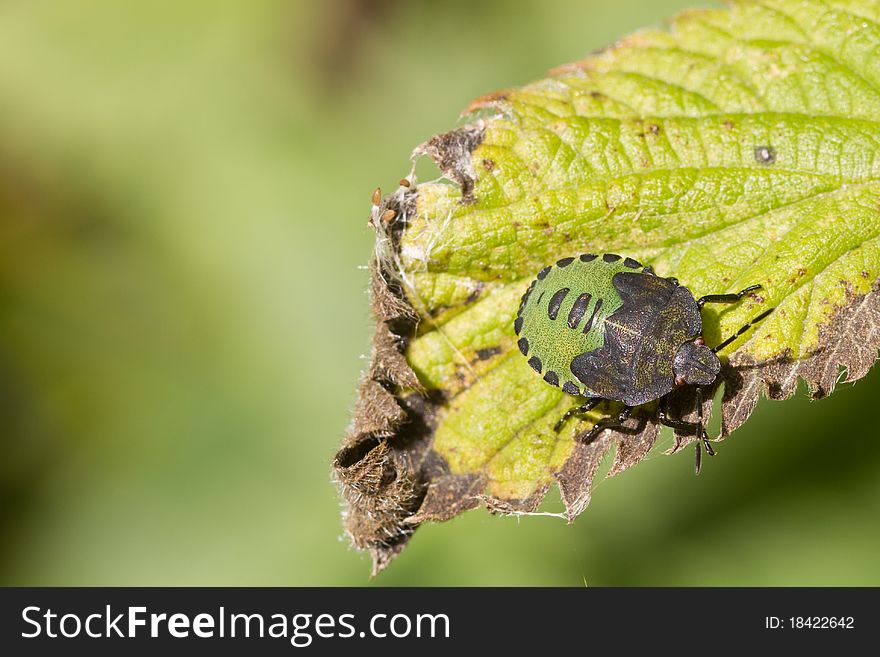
[[523, 345], [571, 389], [632, 264], [610, 257], [487, 353], [587, 257], [578, 309], [590, 321], [765, 154], [556, 301], [525, 297], [552, 378], [565, 262], [543, 273], [540, 296], [536, 364], [517, 325]]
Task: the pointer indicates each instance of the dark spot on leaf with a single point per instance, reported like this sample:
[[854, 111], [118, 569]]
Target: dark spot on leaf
[[765, 154], [728, 124], [487, 352], [654, 129], [437, 310], [475, 293], [488, 164], [865, 274], [800, 273]]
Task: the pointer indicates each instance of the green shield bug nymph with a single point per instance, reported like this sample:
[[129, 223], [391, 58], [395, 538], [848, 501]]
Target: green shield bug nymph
[[605, 327]]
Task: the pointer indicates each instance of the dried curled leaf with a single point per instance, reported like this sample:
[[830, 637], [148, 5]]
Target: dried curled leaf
[[739, 147]]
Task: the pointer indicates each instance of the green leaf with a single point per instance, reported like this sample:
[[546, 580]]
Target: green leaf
[[738, 147]]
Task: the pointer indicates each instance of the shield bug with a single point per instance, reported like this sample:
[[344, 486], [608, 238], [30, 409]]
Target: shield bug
[[605, 327]]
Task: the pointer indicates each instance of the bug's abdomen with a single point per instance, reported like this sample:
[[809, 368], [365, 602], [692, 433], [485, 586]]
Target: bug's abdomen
[[563, 315]]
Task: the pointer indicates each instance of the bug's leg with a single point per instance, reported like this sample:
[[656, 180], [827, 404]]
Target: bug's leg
[[690, 427], [680, 425], [726, 298], [615, 422], [704, 437], [586, 407], [742, 330]]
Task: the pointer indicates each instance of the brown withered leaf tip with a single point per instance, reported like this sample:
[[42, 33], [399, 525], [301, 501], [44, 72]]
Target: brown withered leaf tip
[[452, 153], [390, 478]]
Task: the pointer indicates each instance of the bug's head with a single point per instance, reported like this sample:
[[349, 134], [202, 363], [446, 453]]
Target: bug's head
[[696, 364]]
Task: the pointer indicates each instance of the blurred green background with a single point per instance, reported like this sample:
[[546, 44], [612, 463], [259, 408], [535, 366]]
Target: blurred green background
[[184, 188]]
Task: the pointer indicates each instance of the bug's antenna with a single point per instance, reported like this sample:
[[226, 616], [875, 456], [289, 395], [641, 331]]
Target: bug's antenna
[[742, 330]]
